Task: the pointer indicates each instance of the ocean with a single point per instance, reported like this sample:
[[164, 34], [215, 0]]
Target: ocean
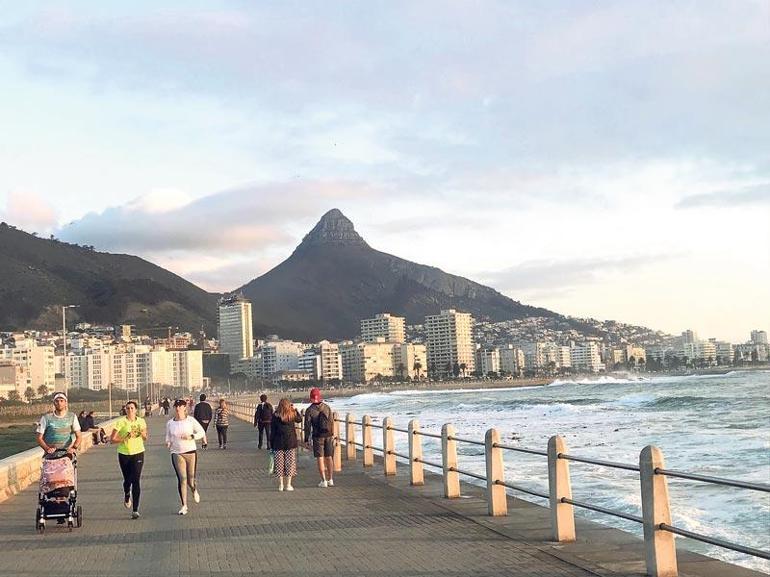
[[715, 425]]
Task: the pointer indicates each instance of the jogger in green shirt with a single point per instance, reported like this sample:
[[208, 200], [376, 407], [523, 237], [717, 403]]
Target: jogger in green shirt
[[131, 433]]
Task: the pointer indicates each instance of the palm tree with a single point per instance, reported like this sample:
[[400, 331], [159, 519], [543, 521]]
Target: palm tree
[[463, 368], [29, 394], [417, 366], [401, 368]]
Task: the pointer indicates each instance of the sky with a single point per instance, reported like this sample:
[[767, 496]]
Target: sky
[[601, 159]]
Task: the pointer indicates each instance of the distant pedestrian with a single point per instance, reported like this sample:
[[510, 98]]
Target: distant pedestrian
[[319, 424], [131, 432], [166, 404], [203, 415], [222, 422], [284, 443], [147, 407], [82, 420], [262, 418], [181, 433]]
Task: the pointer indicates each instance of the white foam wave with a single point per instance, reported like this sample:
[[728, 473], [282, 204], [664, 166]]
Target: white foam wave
[[599, 381]]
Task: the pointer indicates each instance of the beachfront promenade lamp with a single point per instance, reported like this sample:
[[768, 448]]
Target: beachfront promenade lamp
[[64, 339]]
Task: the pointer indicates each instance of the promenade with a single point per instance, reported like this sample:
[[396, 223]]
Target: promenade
[[244, 526]]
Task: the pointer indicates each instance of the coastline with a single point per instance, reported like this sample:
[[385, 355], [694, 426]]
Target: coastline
[[479, 384]]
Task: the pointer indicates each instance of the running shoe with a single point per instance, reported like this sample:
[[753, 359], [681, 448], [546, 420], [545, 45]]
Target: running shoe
[[330, 482], [196, 496], [183, 510], [127, 501], [280, 487], [135, 515], [323, 484], [289, 488]]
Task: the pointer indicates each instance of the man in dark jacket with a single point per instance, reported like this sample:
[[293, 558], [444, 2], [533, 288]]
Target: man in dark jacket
[[319, 423], [263, 416], [203, 414]]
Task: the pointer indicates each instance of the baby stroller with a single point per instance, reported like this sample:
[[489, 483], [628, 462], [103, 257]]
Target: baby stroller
[[58, 495]]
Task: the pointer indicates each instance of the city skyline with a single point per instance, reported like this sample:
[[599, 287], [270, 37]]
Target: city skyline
[[604, 161]]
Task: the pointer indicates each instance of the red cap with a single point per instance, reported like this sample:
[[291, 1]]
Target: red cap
[[315, 395]]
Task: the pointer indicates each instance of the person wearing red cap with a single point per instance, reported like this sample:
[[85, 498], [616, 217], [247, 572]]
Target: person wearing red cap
[[319, 423]]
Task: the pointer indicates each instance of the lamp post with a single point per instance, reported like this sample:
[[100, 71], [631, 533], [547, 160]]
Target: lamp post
[[64, 340]]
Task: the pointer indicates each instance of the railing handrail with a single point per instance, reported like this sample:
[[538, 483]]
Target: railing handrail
[[449, 436]]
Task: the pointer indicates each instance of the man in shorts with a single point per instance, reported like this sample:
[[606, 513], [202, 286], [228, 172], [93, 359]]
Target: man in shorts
[[319, 424], [59, 429]]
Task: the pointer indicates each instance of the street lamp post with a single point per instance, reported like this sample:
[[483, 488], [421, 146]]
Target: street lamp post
[[64, 340]]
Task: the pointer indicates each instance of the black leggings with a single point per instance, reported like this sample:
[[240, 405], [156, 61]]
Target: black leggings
[[222, 435], [131, 467]]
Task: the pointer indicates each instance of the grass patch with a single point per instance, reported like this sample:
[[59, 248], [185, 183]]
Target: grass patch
[[15, 439]]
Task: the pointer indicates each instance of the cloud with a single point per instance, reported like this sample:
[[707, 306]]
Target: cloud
[[748, 195], [29, 211], [550, 277], [241, 220]]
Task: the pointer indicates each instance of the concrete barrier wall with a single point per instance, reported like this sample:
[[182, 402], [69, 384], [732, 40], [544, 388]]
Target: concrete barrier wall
[[19, 471]]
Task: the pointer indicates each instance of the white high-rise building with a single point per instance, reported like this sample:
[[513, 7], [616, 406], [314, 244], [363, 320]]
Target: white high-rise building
[[488, 361], [279, 355], [37, 362], [383, 326], [759, 337], [322, 361], [450, 342], [585, 357], [511, 360], [235, 335]]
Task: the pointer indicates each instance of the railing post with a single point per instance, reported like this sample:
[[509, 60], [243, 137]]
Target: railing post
[[301, 427], [416, 477], [497, 503], [366, 440], [350, 437], [560, 487], [337, 447], [659, 545], [388, 446], [449, 462]]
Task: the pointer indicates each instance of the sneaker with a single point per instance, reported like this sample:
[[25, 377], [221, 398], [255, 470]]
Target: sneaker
[[127, 501], [135, 515], [204, 447], [330, 482], [323, 484], [280, 487], [289, 488], [183, 510], [196, 496]]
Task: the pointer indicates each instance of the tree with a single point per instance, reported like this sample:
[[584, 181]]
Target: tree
[[42, 390], [463, 368], [754, 356], [455, 369], [642, 363], [632, 362], [29, 394], [432, 371], [417, 367], [401, 370], [14, 396]]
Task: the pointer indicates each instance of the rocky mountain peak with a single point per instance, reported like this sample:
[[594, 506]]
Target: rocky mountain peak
[[334, 228]]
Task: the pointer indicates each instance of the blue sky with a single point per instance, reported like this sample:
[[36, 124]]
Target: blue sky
[[606, 159]]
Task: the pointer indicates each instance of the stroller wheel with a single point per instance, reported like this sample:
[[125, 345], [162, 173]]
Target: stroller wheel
[[79, 516], [41, 527], [37, 518]]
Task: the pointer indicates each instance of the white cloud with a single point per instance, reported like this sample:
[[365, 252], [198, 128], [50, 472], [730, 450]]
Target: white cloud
[[30, 211]]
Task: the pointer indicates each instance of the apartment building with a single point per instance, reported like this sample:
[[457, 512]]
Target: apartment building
[[384, 326], [36, 362], [234, 326], [512, 360], [488, 361], [585, 357], [450, 342]]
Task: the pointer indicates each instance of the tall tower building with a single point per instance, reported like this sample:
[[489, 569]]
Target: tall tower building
[[450, 342], [235, 338], [383, 326], [759, 337]]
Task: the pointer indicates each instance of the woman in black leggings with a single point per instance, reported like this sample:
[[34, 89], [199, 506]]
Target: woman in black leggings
[[131, 432]]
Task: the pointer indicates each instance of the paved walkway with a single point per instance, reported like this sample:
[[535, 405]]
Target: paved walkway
[[244, 526]]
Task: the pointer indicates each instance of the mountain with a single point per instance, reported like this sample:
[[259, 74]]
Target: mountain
[[39, 275], [333, 279]]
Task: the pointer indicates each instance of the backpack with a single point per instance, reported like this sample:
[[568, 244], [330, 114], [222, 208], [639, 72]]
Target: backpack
[[325, 426]]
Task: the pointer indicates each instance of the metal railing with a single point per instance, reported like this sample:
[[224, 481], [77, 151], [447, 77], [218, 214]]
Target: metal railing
[[659, 533]]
